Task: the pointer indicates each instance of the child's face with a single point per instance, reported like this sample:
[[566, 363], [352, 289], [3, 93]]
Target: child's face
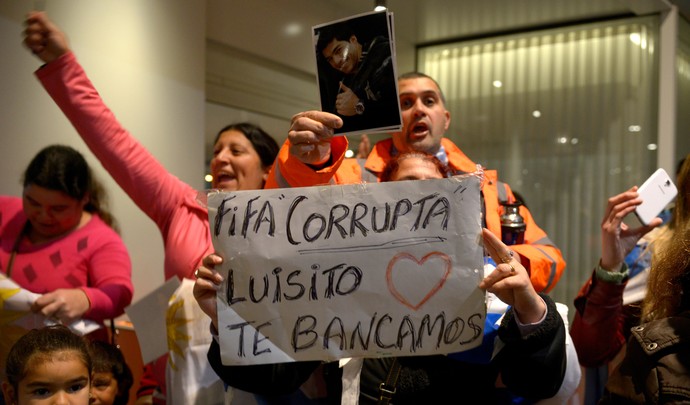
[[103, 388], [62, 380]]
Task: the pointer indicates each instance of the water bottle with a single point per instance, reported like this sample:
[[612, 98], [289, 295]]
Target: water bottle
[[512, 224]]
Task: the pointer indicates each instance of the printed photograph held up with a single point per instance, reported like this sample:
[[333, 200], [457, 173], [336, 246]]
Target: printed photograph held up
[[357, 75]]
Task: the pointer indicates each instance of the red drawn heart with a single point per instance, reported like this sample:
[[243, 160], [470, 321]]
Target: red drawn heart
[[406, 256]]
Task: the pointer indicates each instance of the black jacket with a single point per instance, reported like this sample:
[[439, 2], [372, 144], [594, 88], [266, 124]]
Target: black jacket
[[656, 367]]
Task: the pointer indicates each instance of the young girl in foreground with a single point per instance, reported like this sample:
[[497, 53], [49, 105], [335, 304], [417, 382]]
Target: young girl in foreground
[[48, 365]]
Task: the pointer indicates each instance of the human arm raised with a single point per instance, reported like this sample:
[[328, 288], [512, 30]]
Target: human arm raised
[[617, 238], [139, 174], [164, 198], [599, 322]]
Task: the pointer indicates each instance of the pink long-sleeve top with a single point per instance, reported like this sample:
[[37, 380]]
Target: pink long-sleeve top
[[92, 258], [168, 201]]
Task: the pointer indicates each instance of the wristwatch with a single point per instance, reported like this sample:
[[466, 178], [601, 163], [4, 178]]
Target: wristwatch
[[359, 108]]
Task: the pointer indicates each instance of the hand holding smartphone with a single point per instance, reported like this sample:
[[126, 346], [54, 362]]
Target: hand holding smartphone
[[656, 192]]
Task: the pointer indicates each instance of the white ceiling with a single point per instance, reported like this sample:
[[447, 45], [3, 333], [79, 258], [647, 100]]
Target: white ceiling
[[280, 30]]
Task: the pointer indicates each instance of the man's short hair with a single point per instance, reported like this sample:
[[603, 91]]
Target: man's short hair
[[420, 75], [339, 32]]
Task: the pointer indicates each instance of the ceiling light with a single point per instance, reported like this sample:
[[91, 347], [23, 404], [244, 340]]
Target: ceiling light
[[380, 5], [635, 38], [638, 40], [293, 29]]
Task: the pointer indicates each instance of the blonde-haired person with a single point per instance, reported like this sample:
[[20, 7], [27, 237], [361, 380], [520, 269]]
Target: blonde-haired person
[[656, 366]]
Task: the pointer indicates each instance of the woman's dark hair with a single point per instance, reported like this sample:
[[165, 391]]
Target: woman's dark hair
[[41, 345], [107, 358], [62, 168], [264, 145], [394, 164]]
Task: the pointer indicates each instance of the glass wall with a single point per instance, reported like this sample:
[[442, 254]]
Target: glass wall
[[683, 77], [567, 116]]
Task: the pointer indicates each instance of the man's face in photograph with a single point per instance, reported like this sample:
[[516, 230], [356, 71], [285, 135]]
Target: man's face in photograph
[[343, 55]]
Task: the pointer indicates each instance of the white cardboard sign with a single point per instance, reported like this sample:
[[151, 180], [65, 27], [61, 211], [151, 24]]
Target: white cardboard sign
[[363, 270]]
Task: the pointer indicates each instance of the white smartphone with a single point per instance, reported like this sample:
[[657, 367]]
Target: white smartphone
[[656, 192]]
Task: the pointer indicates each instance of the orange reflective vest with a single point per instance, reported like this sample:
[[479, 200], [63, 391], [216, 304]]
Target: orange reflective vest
[[538, 254]]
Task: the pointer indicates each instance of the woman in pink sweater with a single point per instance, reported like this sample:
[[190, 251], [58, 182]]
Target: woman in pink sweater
[[57, 240]]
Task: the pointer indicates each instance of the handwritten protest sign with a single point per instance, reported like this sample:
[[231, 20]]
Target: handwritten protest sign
[[323, 273]]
